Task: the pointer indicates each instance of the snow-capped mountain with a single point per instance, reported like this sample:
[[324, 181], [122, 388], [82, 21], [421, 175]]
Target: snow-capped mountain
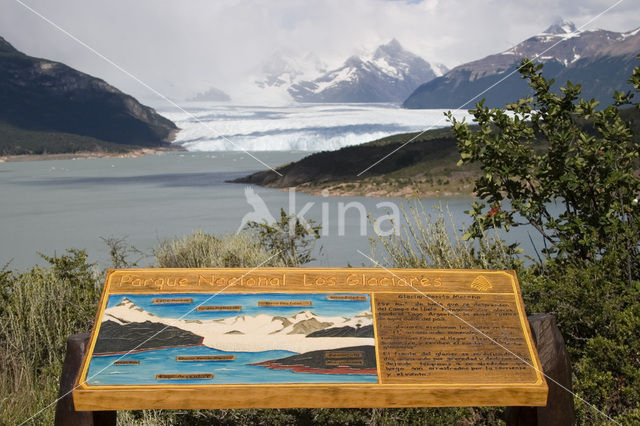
[[390, 74], [253, 333], [601, 60]]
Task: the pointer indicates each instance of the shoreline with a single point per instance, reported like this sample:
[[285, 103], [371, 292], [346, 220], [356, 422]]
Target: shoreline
[[354, 189], [407, 193], [88, 155]]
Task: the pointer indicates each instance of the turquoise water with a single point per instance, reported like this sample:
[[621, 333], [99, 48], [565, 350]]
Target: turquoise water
[[103, 372], [320, 305]]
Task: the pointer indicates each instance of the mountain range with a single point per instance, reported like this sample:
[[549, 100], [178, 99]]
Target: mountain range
[[388, 74], [600, 60], [39, 95]]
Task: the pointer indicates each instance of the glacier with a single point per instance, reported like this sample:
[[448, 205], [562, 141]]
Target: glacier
[[210, 126]]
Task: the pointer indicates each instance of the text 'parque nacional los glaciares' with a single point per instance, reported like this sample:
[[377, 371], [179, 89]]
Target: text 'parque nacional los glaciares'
[[309, 337], [298, 279]]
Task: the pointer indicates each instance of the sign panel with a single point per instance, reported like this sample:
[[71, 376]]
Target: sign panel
[[307, 337]]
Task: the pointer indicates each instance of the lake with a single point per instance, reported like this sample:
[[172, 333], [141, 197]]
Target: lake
[[48, 206]]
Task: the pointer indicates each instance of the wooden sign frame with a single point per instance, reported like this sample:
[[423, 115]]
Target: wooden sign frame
[[440, 337]]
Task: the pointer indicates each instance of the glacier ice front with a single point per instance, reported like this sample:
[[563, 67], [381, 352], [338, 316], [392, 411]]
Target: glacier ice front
[[308, 127]]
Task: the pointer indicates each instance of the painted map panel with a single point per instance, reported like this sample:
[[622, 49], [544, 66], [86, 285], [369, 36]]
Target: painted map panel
[[235, 338]]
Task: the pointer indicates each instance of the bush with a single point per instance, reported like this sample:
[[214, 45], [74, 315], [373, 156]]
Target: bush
[[599, 315], [559, 150], [290, 239]]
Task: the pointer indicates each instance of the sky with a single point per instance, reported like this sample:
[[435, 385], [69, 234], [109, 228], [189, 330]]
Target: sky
[[180, 48]]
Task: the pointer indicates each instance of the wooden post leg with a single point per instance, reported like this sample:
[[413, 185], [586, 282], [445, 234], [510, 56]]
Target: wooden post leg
[[555, 362], [66, 415]]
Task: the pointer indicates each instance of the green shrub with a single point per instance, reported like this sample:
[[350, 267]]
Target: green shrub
[[599, 315], [290, 239], [558, 149]]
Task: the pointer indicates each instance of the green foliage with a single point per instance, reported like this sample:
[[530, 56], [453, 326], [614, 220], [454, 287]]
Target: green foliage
[[599, 316], [560, 150], [539, 152], [290, 239], [39, 309]]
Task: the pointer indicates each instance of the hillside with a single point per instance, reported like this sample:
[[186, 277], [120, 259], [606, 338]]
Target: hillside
[[425, 167], [16, 141], [601, 60], [39, 95]]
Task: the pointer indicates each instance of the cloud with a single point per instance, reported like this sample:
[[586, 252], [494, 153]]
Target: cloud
[[181, 48]]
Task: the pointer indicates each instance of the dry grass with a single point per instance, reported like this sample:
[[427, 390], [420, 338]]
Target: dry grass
[[432, 240], [200, 250]]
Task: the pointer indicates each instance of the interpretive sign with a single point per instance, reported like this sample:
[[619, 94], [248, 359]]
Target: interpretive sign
[[307, 337]]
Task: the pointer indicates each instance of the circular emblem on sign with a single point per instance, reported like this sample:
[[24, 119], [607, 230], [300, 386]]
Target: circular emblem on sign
[[481, 284]]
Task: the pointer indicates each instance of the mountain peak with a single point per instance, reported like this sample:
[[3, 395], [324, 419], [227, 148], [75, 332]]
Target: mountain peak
[[390, 49], [560, 26], [127, 302], [212, 94], [393, 44]]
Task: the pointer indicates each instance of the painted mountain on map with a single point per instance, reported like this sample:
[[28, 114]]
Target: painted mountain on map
[[300, 332], [141, 336]]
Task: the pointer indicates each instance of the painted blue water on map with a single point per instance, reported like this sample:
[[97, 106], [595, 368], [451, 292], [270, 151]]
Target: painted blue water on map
[[249, 302], [102, 371]]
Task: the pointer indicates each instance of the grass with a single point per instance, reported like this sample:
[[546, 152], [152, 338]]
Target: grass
[[433, 240], [40, 309], [42, 306]]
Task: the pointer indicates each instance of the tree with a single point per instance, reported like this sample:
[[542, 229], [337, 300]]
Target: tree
[[558, 149]]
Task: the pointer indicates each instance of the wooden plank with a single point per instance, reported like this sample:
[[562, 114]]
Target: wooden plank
[[310, 337], [317, 396]]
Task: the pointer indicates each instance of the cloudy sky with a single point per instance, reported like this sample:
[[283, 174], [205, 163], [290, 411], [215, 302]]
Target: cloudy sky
[[182, 47]]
